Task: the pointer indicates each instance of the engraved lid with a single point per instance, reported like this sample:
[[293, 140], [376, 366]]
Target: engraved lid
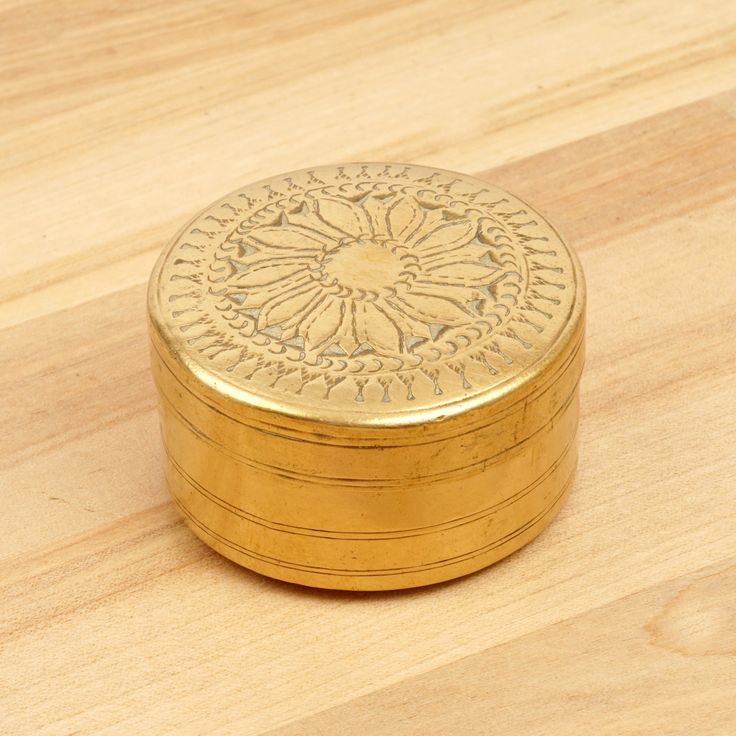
[[366, 295]]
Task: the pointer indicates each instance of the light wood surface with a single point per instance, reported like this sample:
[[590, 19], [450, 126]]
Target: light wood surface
[[617, 120]]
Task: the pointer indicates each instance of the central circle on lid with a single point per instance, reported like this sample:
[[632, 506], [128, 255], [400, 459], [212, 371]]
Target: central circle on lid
[[367, 265]]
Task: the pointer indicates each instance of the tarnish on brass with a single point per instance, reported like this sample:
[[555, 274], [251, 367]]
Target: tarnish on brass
[[368, 374]]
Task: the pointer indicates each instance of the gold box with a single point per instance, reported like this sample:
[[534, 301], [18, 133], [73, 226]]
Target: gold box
[[368, 374]]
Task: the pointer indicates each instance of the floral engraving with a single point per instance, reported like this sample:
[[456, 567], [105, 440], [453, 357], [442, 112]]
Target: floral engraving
[[375, 282], [380, 275]]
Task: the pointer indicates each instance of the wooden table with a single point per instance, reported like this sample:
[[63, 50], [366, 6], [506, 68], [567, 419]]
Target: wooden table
[[118, 120]]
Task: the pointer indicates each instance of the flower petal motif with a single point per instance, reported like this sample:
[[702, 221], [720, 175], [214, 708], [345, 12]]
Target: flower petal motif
[[406, 324], [446, 255], [323, 324], [270, 271], [343, 216], [295, 324], [257, 296], [282, 306], [373, 327], [432, 309], [405, 217], [377, 210], [455, 232], [292, 238], [457, 273]]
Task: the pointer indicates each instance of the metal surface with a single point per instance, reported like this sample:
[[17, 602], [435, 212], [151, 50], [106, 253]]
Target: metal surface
[[368, 374]]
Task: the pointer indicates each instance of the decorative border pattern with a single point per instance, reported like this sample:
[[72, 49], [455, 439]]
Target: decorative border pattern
[[466, 286]]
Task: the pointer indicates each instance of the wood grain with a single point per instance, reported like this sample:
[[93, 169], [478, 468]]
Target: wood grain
[[118, 121]]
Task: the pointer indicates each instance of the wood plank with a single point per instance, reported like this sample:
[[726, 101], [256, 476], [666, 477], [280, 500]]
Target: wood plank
[[117, 123], [153, 628], [658, 661]]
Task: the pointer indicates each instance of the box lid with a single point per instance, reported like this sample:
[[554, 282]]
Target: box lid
[[367, 298]]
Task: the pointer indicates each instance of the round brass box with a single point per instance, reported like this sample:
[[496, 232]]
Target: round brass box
[[368, 374]]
